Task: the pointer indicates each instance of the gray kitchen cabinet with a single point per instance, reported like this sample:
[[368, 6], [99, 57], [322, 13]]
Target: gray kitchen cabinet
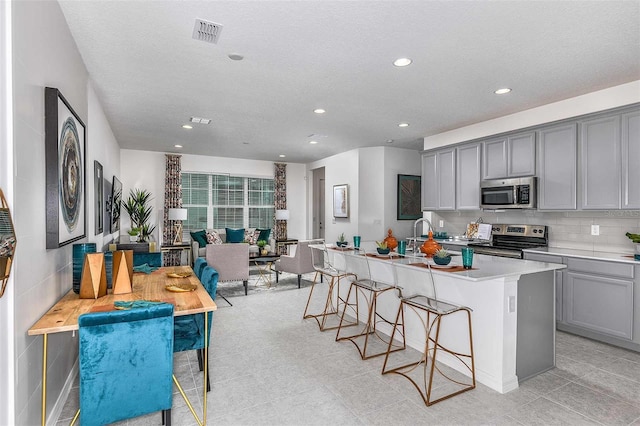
[[439, 180], [468, 168], [631, 160], [509, 156], [600, 161], [599, 297], [558, 277], [557, 167]]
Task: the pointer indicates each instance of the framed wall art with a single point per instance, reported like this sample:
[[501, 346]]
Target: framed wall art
[[341, 200], [65, 147], [409, 197], [98, 198]]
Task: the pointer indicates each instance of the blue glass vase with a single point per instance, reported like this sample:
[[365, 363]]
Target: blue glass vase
[[79, 250]]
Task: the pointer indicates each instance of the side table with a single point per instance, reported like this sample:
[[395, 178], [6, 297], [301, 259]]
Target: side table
[[178, 247], [282, 245]]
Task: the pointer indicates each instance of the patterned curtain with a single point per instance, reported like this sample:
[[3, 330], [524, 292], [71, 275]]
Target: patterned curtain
[[280, 199], [172, 199]]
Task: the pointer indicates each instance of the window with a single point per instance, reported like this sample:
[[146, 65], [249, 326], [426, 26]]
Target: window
[[224, 201]]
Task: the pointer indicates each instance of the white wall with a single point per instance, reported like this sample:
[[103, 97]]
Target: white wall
[[145, 170], [398, 161], [612, 97], [46, 57]]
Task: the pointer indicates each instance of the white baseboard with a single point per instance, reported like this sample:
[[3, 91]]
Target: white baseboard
[[64, 395]]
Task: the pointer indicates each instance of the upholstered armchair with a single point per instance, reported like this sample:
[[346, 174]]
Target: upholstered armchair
[[299, 262], [231, 261], [126, 364]]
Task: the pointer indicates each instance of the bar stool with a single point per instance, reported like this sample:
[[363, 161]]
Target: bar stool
[[363, 286], [323, 267], [431, 312]]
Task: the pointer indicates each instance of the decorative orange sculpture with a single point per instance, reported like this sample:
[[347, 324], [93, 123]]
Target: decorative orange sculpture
[[430, 247], [391, 241]]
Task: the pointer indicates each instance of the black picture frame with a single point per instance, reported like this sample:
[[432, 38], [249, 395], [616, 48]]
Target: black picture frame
[[409, 197], [98, 200], [65, 148]]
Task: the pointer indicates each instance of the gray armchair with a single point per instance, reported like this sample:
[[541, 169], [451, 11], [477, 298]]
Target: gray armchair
[[231, 261], [299, 262]]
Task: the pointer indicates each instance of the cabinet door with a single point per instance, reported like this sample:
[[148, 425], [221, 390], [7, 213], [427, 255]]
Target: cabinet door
[[446, 168], [521, 155], [600, 161], [494, 159], [630, 160], [429, 182], [600, 304], [557, 166], [468, 177]]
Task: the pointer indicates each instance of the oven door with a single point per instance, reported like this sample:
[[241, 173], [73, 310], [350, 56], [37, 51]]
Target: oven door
[[498, 197], [496, 251]]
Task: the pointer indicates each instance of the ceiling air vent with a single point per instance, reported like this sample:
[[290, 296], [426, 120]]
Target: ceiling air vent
[[206, 31]]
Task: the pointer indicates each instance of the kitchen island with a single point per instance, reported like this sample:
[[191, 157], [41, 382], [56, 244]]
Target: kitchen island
[[513, 318]]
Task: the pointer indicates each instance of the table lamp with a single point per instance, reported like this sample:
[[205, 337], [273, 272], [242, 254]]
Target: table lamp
[[178, 215], [282, 215]]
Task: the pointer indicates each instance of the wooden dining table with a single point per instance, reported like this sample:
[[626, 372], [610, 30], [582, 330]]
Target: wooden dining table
[[63, 316]]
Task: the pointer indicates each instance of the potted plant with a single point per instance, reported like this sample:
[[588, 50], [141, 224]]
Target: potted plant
[[635, 238], [342, 242], [382, 247], [133, 234], [262, 246], [139, 210], [442, 257]]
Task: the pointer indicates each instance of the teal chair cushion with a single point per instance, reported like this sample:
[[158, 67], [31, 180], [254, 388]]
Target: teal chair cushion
[[198, 267], [234, 235], [189, 329], [126, 363]]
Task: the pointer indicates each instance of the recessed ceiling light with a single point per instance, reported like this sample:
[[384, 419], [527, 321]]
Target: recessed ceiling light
[[178, 146], [502, 91], [402, 62], [389, 140], [403, 125], [235, 57], [313, 142], [319, 111], [186, 126], [282, 156]]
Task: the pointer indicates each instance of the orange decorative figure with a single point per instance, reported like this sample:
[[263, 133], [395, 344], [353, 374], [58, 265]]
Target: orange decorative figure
[[430, 246], [391, 241]]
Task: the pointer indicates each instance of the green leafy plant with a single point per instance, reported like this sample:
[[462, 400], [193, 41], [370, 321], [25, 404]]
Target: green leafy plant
[[139, 210], [442, 253], [341, 238], [133, 232], [635, 238], [261, 243], [382, 245]]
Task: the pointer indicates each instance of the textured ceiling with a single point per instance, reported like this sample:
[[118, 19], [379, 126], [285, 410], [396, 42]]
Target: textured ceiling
[[151, 76]]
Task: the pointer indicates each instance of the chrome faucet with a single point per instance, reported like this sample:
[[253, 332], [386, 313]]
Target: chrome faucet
[[415, 232]]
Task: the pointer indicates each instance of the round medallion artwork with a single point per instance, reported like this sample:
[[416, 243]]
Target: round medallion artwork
[[70, 173]]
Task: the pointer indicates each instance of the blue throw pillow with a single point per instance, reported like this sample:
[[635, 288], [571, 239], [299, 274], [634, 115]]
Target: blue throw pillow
[[264, 234], [200, 237], [234, 235]]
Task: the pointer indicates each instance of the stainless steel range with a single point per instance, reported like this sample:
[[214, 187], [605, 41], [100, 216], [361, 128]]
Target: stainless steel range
[[510, 240]]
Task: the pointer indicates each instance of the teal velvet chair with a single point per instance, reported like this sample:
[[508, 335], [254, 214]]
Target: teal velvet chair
[[153, 259], [198, 266], [126, 364], [189, 329]]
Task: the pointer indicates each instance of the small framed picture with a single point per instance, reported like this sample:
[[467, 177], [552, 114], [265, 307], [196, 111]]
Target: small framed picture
[[341, 200]]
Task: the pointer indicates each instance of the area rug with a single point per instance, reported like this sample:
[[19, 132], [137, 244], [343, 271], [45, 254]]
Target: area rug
[[257, 285]]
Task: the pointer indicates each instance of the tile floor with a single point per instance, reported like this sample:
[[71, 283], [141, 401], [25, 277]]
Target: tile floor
[[270, 367]]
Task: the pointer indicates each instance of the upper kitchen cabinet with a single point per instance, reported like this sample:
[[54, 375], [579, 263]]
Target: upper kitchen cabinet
[[468, 171], [557, 167], [439, 180], [600, 160], [510, 156], [631, 160]]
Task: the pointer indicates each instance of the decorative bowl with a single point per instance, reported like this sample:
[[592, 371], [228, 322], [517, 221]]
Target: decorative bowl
[[442, 260], [383, 251], [341, 243]]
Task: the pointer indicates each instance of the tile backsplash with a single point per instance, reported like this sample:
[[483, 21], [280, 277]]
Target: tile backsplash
[[566, 229]]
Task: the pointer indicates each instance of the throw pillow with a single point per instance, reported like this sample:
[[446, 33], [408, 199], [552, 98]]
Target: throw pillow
[[235, 235], [200, 237], [264, 234], [213, 237], [251, 236]]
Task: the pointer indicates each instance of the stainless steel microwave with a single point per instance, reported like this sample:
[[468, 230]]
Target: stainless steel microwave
[[518, 193]]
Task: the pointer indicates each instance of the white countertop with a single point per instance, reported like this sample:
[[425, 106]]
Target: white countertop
[[585, 254]]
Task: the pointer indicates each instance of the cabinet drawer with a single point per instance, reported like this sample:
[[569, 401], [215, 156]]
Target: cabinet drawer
[[613, 269]]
